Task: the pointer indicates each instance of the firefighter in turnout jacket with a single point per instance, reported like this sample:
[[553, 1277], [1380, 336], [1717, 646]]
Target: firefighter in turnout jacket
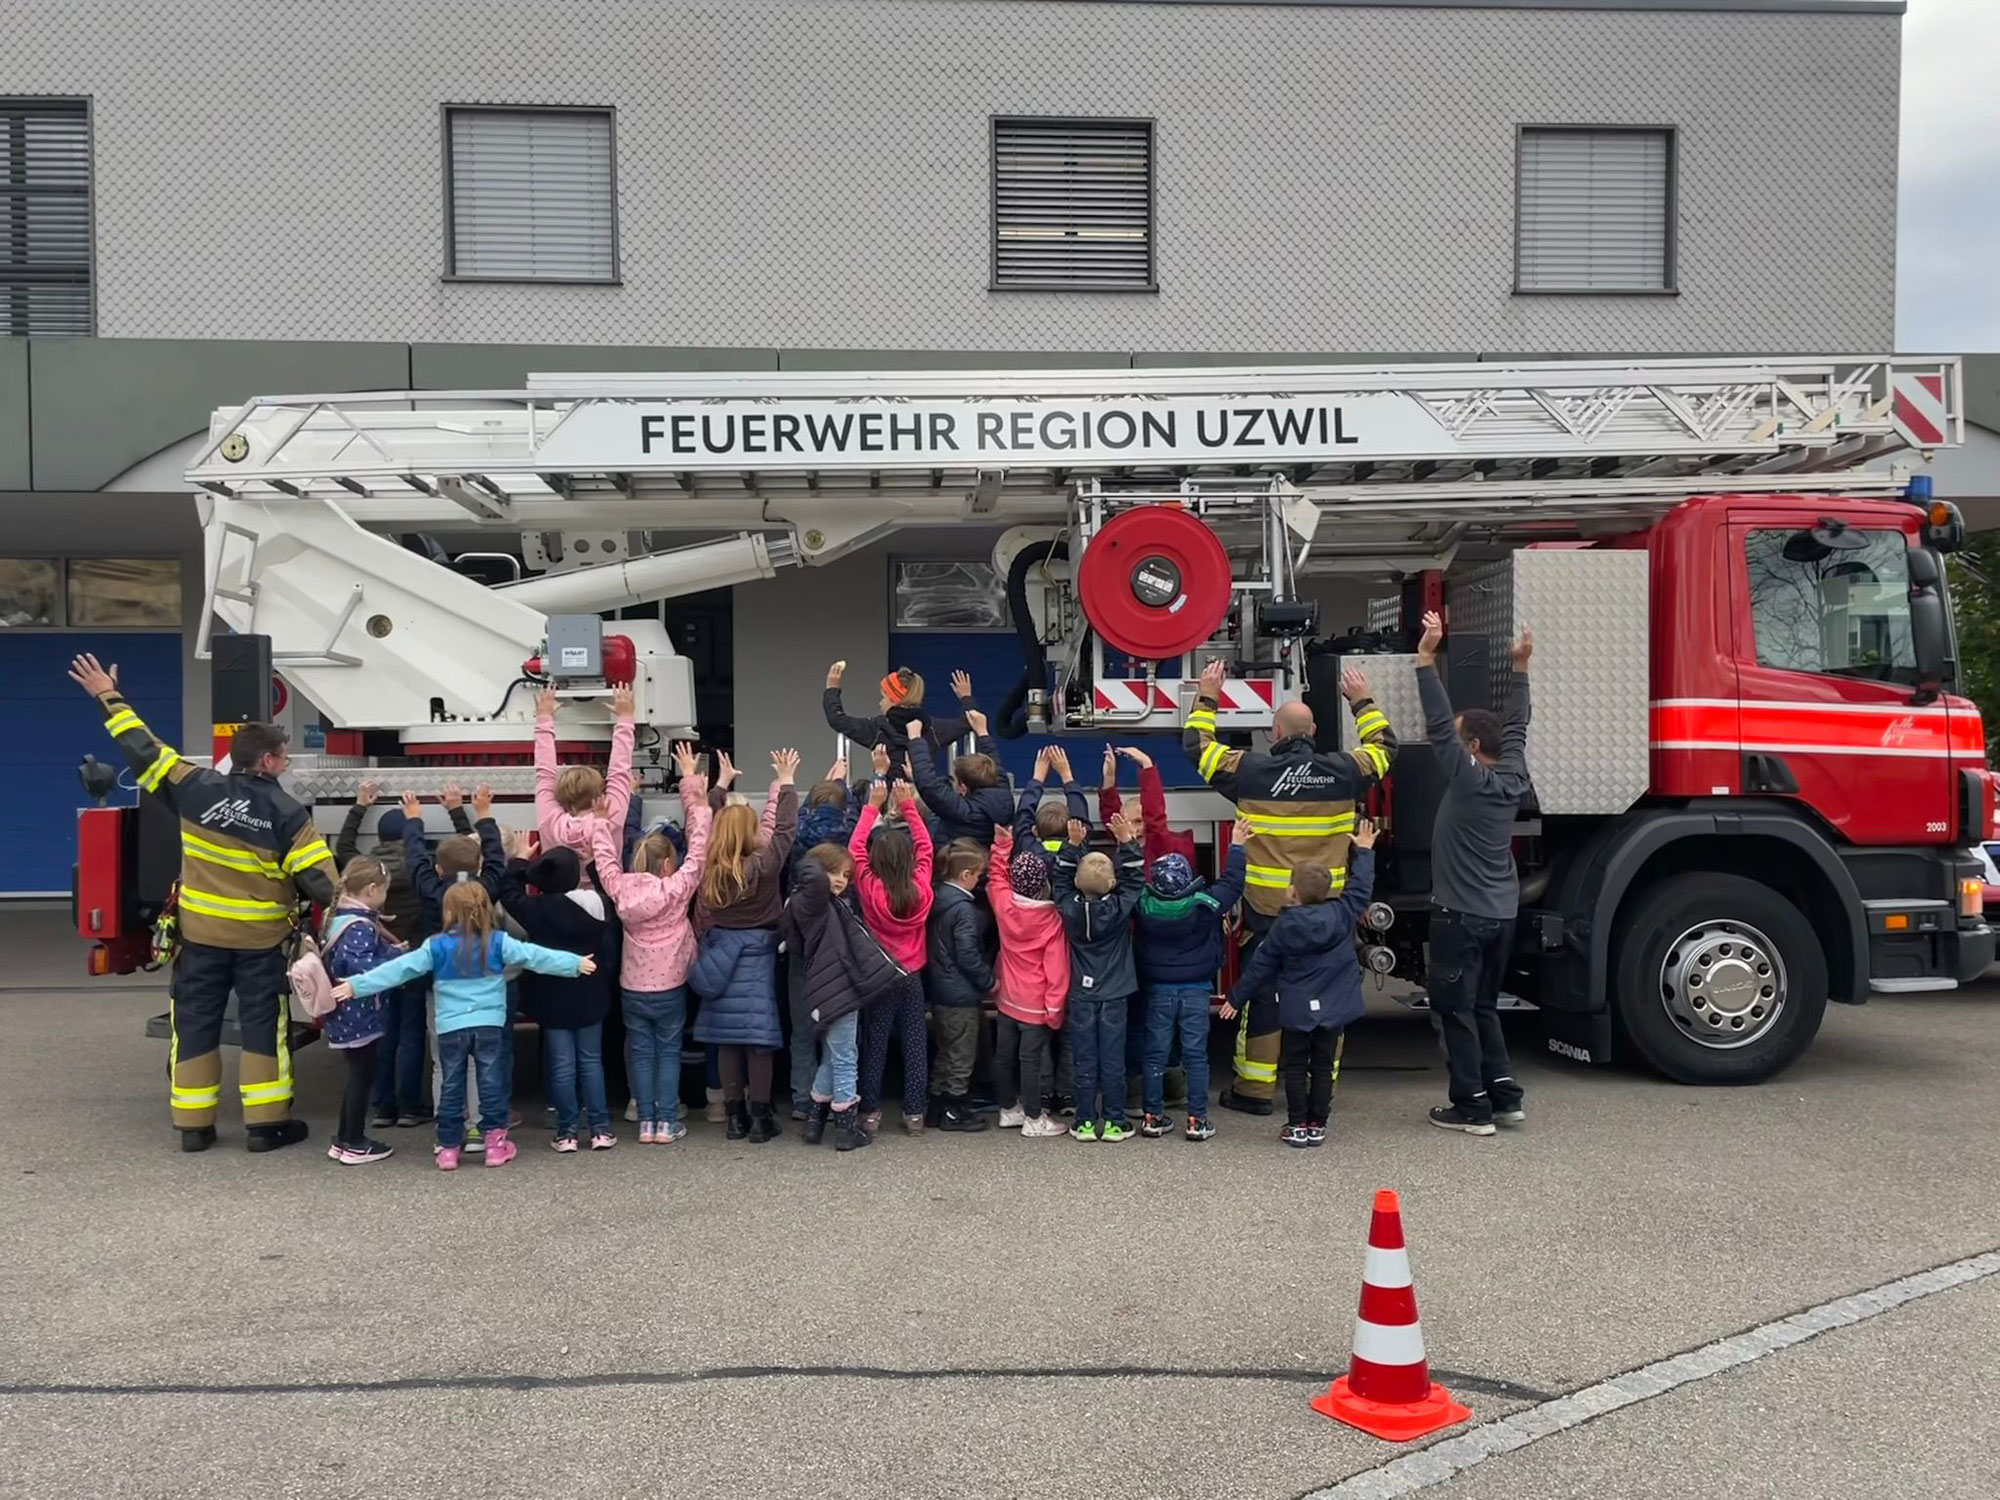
[[1299, 806], [249, 853]]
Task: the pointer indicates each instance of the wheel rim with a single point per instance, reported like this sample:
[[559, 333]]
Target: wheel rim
[[1723, 984]]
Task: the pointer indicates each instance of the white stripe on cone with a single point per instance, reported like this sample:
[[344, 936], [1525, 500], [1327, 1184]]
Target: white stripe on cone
[[1386, 1268], [1386, 1344]]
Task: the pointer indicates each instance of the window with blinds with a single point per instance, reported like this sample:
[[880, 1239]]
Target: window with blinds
[[45, 238], [1594, 210], [1073, 205], [530, 195]]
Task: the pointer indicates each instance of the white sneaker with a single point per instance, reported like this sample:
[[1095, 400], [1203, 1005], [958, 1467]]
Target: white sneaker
[[1044, 1127], [1013, 1119], [631, 1111]]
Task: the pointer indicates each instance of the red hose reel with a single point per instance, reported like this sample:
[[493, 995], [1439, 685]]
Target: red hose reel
[[1154, 582]]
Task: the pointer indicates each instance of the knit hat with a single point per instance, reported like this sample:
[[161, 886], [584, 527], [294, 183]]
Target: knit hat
[[1029, 873], [389, 828], [555, 873], [1172, 877]]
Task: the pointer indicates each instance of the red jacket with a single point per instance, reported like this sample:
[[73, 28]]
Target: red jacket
[[903, 937], [1033, 972], [1160, 839]]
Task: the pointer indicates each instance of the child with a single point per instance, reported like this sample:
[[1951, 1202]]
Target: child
[[827, 818], [355, 941], [902, 700], [1179, 951], [735, 972], [1159, 838], [1048, 824], [565, 800], [467, 963], [1032, 986], [1309, 955], [973, 803], [842, 964], [1097, 894], [894, 881], [959, 980], [570, 1012], [653, 901]]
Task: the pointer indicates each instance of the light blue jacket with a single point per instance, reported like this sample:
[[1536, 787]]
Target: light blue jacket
[[465, 1000]]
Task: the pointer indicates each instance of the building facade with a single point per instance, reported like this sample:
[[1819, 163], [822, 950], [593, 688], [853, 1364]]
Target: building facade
[[207, 203]]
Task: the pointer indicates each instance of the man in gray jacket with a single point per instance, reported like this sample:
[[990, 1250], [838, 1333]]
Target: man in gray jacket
[[1475, 891]]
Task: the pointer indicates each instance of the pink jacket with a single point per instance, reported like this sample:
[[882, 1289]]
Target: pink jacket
[[573, 829], [1033, 972], [903, 937], [659, 929]]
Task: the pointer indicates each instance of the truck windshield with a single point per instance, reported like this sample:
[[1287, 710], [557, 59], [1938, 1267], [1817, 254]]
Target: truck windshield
[[1844, 615]]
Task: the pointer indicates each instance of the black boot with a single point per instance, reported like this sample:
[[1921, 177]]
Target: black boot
[[739, 1118], [851, 1137], [198, 1139], [274, 1137], [763, 1124], [958, 1115], [814, 1130], [1243, 1103]]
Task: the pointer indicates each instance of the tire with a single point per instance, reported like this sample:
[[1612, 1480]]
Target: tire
[[1717, 980]]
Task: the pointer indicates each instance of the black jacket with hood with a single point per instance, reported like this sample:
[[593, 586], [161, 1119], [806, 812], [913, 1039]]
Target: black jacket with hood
[[1308, 957], [569, 916], [845, 968], [892, 731], [964, 815], [1100, 927], [957, 973]]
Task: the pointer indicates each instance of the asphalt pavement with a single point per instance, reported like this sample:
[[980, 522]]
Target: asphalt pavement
[[982, 1316]]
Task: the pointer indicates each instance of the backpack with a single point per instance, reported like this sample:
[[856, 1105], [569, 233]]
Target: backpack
[[312, 985]]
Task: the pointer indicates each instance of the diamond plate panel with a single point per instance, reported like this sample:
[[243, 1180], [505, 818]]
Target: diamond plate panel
[[815, 174], [1589, 740], [1394, 681]]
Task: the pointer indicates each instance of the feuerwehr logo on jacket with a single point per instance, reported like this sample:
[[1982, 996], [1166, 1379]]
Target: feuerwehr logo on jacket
[[1299, 778], [234, 814]]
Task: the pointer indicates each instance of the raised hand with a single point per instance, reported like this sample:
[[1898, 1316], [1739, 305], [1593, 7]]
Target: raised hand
[[1078, 833], [517, 843], [1433, 637], [878, 757], [725, 770], [916, 729], [411, 807], [838, 770], [92, 678], [1137, 756], [1240, 833], [1042, 763], [545, 703], [482, 802], [833, 673], [1523, 649], [1354, 685], [976, 719], [366, 796], [1109, 775], [905, 794], [1365, 831], [878, 794], [684, 758], [453, 797], [601, 808], [1059, 762], [785, 766], [1211, 679], [961, 684], [1121, 828], [621, 701]]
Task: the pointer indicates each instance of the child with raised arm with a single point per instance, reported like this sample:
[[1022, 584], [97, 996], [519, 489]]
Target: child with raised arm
[[1308, 956], [902, 699], [1047, 824], [654, 900], [467, 963], [1096, 895], [565, 799], [893, 877], [973, 803]]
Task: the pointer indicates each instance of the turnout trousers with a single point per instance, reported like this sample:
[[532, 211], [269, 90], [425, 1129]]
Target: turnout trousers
[[203, 980], [1258, 1039]]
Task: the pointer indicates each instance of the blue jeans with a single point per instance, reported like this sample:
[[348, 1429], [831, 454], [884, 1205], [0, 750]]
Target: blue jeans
[[399, 1066], [576, 1062], [483, 1045], [654, 1021], [834, 1081], [1097, 1045], [1177, 1009]]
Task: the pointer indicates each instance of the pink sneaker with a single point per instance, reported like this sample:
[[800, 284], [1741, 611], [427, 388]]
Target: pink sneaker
[[499, 1150], [563, 1143], [447, 1159], [604, 1140], [646, 1136]]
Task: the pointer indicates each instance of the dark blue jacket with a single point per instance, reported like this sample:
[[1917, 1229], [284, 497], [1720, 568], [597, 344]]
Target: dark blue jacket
[[735, 974], [430, 886], [957, 972], [1180, 940], [356, 944], [820, 825], [1308, 957], [1100, 927], [970, 816], [1031, 800]]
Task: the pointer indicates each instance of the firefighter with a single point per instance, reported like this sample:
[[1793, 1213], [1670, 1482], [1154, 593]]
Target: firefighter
[[248, 854], [1300, 808]]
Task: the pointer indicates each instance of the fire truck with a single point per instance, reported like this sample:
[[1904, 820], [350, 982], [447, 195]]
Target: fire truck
[[1754, 789]]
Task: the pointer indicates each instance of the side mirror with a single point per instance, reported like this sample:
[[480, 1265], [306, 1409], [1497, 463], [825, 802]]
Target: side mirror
[[1930, 634]]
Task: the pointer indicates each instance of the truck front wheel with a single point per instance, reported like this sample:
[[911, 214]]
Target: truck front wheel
[[1717, 979]]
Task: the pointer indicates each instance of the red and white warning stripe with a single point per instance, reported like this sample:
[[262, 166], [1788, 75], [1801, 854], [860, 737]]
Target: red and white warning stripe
[[1239, 695], [1918, 410], [1389, 1362]]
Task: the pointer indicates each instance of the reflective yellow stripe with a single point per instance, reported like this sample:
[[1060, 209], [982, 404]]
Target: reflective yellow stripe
[[231, 908], [1270, 876], [1256, 1072], [1377, 757], [278, 1091], [310, 854], [246, 860], [1371, 721], [1296, 827], [208, 1098], [1211, 758], [1201, 718], [121, 721], [164, 762]]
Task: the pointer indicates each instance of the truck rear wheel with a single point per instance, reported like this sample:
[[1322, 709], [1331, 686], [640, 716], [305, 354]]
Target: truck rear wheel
[[1717, 980]]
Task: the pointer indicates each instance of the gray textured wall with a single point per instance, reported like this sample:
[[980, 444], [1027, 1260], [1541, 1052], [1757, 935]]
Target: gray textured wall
[[788, 629], [816, 173]]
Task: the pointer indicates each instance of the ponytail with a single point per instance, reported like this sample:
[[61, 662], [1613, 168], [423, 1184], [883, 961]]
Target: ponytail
[[468, 916]]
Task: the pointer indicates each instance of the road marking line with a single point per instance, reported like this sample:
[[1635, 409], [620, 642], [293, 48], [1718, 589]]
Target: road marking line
[[1448, 1459]]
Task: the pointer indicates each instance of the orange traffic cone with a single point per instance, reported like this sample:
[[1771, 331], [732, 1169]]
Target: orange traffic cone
[[1387, 1389]]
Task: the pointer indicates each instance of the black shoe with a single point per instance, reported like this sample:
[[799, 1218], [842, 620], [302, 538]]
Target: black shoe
[[815, 1126], [1451, 1117], [198, 1139], [276, 1137], [1243, 1104], [382, 1119], [738, 1114], [1062, 1104], [802, 1111], [410, 1120], [851, 1136], [763, 1124], [934, 1112], [957, 1116]]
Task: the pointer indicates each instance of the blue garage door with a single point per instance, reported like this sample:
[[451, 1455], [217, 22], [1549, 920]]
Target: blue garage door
[[51, 726]]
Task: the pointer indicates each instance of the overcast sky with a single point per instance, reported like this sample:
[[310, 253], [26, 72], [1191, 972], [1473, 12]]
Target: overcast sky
[[1948, 252]]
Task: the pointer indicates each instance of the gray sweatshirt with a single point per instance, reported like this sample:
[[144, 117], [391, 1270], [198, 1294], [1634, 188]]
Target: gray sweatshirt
[[1472, 847]]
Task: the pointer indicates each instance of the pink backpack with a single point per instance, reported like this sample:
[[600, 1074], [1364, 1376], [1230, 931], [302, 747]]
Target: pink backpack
[[312, 986]]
